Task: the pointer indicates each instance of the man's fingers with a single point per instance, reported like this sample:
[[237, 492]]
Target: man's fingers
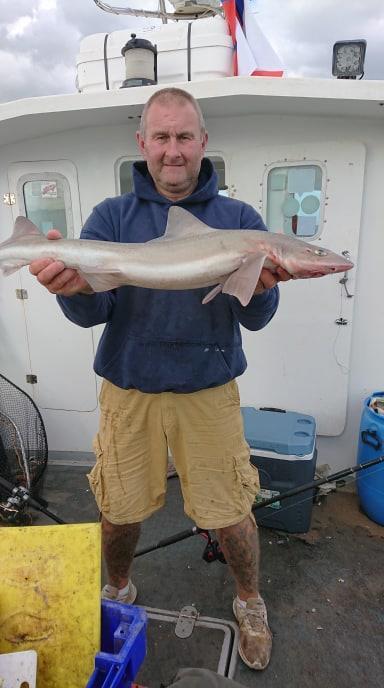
[[267, 278], [54, 280], [283, 275], [66, 282], [38, 265], [54, 234], [46, 270]]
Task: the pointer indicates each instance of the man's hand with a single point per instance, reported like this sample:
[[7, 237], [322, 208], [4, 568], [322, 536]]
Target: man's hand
[[269, 279], [55, 277]]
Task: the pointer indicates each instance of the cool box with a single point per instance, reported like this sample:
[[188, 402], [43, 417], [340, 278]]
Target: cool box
[[283, 448]]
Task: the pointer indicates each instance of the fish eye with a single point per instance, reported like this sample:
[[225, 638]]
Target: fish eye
[[317, 251]]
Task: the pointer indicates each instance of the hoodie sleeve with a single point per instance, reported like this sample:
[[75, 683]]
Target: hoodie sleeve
[[93, 309], [262, 307]]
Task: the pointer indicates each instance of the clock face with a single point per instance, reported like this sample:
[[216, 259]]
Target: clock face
[[348, 59]]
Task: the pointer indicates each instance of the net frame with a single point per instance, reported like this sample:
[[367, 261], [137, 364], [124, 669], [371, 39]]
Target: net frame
[[23, 439]]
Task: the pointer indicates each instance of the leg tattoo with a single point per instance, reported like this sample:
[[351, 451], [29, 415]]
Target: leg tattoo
[[119, 543], [240, 545]]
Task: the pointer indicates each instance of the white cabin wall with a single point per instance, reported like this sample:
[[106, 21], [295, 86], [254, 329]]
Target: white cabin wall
[[94, 152], [366, 369], [14, 359]]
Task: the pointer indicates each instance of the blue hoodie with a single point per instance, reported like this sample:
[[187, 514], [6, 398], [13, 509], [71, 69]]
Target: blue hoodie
[[156, 340]]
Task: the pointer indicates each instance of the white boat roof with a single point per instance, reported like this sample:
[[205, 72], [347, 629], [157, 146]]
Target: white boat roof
[[34, 117]]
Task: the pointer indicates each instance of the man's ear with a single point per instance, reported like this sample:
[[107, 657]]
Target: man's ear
[[204, 142], [140, 143]]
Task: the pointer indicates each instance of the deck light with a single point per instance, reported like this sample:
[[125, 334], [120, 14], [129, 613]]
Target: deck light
[[348, 59], [140, 62]]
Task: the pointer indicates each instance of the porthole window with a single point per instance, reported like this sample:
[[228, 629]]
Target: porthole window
[[47, 202], [295, 200]]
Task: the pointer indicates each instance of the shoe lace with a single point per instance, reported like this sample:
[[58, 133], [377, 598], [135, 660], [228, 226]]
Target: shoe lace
[[254, 617]]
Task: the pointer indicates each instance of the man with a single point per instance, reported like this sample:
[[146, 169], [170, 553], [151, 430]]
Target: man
[[169, 366]]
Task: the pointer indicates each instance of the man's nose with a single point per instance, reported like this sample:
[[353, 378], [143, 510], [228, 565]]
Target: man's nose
[[173, 149]]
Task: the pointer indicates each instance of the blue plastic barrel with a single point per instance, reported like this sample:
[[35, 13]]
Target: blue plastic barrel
[[370, 481]]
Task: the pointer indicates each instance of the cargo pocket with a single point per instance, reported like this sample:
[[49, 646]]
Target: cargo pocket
[[231, 391], [248, 481], [96, 479]]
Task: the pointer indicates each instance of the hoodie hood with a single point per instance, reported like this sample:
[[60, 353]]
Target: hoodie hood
[[144, 188]]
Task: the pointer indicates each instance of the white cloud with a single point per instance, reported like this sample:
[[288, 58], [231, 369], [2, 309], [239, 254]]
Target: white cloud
[[47, 5], [29, 79], [40, 39], [303, 32], [18, 27]]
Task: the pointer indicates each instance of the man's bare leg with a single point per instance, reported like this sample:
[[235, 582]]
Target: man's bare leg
[[119, 544], [240, 546]]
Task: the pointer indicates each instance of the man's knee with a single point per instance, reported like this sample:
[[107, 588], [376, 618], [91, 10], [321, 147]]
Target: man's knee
[[109, 528], [248, 524]]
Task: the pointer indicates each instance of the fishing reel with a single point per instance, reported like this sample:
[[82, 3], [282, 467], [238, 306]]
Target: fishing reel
[[212, 551], [14, 509]]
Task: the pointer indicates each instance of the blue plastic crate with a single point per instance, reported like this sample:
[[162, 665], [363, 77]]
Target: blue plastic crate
[[123, 645]]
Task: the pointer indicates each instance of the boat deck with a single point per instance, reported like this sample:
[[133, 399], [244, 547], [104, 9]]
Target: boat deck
[[324, 590]]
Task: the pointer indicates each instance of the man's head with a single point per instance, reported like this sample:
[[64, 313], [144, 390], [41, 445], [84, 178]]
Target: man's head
[[172, 139]]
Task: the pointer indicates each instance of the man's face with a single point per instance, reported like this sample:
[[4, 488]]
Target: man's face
[[173, 146]]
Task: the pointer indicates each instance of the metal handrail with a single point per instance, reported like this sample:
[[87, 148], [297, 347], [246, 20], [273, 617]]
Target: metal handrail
[[158, 14]]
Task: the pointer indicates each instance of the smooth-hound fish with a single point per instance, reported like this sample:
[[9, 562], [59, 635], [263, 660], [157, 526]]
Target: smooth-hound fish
[[189, 255]]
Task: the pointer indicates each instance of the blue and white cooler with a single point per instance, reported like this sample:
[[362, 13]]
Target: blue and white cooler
[[283, 449]]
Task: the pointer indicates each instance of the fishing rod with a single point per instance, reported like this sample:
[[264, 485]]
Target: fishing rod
[[212, 550], [20, 497]]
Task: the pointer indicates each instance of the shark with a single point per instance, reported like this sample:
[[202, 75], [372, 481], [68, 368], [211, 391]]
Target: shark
[[189, 255]]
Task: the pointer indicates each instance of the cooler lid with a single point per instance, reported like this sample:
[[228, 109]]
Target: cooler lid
[[282, 432]]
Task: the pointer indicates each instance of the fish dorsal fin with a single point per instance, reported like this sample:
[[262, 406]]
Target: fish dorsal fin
[[24, 227], [181, 224]]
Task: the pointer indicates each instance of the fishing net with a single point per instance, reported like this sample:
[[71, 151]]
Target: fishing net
[[23, 441]]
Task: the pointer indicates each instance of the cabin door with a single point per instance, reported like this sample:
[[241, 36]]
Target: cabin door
[[61, 354], [301, 360]]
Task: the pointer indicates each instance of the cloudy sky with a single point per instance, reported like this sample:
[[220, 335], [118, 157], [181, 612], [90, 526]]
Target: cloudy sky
[[39, 39]]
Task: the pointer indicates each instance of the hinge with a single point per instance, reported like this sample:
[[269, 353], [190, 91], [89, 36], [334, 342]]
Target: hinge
[[31, 379], [21, 294], [186, 622], [9, 198]]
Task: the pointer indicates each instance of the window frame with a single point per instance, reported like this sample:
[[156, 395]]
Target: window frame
[[303, 162], [48, 176]]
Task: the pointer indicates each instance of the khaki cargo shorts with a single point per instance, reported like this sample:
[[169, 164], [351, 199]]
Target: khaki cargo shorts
[[204, 431]]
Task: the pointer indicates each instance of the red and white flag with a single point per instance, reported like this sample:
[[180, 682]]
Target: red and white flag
[[253, 54]]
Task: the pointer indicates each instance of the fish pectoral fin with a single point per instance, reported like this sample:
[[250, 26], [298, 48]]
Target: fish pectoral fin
[[242, 282], [211, 294], [10, 268], [102, 281]]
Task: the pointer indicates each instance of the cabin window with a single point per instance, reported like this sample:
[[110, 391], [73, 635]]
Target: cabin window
[[219, 165], [126, 179], [295, 200], [46, 202], [125, 176]]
